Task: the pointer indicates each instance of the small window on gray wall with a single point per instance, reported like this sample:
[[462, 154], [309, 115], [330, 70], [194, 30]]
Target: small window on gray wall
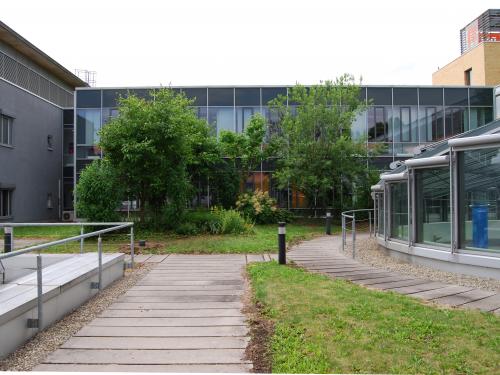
[[221, 97], [6, 129], [5, 203], [50, 142]]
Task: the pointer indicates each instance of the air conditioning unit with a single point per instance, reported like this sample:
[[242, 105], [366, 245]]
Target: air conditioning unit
[[68, 216]]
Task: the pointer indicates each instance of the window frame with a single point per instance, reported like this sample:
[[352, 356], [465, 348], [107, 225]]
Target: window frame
[[9, 203], [10, 130]]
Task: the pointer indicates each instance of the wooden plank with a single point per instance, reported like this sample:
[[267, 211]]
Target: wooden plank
[[202, 288], [442, 292], [382, 280], [147, 357], [235, 282], [365, 276], [156, 259], [398, 284], [175, 305], [161, 293], [133, 331], [486, 304], [410, 289], [156, 343], [177, 313], [168, 322], [463, 298], [141, 258], [193, 369]]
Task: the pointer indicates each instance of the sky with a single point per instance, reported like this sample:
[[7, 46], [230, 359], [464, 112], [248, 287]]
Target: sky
[[252, 42]]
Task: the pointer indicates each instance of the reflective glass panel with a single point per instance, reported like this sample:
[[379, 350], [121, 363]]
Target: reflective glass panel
[[379, 126], [479, 199], [88, 98], [247, 96], [431, 123], [481, 97], [380, 95], [399, 210], [405, 124], [221, 97], [405, 96], [480, 116], [456, 121], [243, 116], [221, 118], [455, 96], [430, 96], [270, 93], [88, 123], [380, 213], [433, 213], [110, 98], [358, 127], [199, 94]]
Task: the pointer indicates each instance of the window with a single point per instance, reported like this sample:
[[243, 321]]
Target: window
[[479, 199], [5, 203], [433, 205], [456, 120], [6, 130], [468, 77], [399, 210], [377, 124], [405, 124]]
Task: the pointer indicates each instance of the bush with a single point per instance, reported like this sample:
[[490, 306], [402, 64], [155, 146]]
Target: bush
[[261, 208], [99, 192], [186, 229], [215, 221]]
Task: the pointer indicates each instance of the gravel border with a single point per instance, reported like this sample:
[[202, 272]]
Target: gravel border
[[368, 252], [36, 350]]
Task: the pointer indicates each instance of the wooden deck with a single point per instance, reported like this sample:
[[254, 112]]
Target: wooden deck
[[183, 316], [322, 255]]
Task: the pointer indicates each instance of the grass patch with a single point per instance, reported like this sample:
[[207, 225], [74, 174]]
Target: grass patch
[[333, 326], [263, 239]]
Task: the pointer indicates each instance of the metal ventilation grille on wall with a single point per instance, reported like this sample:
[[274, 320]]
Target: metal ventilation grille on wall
[[22, 76]]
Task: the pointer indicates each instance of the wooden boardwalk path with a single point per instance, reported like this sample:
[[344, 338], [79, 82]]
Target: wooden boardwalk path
[[323, 255], [183, 316]]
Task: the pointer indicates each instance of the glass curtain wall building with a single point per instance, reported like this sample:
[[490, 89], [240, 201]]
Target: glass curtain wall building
[[451, 211], [401, 118]]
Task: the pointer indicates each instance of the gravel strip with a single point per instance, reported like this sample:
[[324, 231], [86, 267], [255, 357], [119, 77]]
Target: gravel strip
[[368, 252], [34, 351]]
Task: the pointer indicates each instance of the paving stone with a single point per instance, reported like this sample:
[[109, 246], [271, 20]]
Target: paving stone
[[462, 298], [96, 331], [486, 304], [156, 343], [147, 357], [193, 369], [442, 292]]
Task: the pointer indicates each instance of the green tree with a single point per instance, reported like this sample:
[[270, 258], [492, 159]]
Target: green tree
[[317, 154], [151, 144], [246, 150], [99, 192]]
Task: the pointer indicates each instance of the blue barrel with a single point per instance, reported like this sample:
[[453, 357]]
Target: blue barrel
[[480, 226]]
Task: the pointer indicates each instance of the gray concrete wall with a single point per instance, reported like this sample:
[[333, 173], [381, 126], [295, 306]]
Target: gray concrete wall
[[29, 166]]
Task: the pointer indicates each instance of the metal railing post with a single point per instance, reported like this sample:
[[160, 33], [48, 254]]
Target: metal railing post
[[369, 223], [81, 240], [343, 231], [132, 247], [39, 287], [353, 236], [99, 254]]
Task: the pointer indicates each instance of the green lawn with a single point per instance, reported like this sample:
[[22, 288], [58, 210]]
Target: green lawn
[[263, 239], [324, 325]]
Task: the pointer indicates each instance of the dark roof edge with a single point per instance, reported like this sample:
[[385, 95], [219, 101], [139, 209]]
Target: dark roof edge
[[24, 47]]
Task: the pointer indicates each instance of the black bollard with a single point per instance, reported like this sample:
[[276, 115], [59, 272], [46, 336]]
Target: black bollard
[[7, 239], [282, 242], [328, 223]]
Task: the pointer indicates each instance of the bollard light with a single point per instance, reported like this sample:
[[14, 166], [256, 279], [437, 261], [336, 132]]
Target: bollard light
[[282, 242], [328, 223]]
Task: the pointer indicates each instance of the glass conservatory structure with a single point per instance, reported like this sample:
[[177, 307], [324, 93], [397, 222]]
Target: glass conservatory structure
[[442, 207]]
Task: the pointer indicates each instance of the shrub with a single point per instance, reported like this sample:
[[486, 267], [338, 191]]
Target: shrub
[[99, 192], [261, 208], [186, 229], [216, 221]]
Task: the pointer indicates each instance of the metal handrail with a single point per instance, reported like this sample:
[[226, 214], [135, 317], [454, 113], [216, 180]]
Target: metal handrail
[[351, 214], [38, 323]]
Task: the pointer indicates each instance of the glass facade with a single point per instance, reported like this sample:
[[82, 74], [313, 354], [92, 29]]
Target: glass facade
[[479, 199], [399, 118], [432, 205], [398, 193]]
